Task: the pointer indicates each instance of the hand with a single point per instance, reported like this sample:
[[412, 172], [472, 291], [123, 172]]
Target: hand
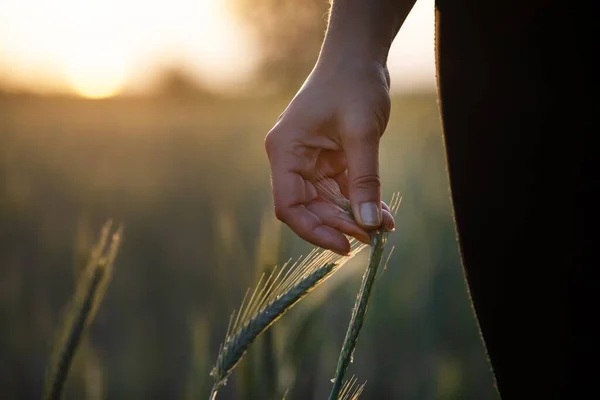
[[327, 142]]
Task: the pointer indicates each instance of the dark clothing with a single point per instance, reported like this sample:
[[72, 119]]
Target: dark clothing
[[514, 80]]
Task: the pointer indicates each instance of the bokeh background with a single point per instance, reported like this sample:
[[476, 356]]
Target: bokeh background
[[153, 114]]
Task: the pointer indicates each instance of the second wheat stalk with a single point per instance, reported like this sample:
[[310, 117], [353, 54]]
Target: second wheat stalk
[[378, 241]]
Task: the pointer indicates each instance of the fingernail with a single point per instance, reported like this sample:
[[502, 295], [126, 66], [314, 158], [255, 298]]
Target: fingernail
[[370, 214]]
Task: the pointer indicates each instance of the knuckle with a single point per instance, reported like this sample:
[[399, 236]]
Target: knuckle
[[276, 137], [366, 181], [363, 135], [368, 126], [271, 140], [365, 126], [280, 214], [359, 128]]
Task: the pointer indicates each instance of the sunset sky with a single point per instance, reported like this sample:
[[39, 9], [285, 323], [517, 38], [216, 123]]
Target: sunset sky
[[100, 48]]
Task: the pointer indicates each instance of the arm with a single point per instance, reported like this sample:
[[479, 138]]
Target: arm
[[363, 29], [332, 127]]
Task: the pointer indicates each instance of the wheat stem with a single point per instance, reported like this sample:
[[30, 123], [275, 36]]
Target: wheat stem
[[88, 295], [74, 338], [378, 240]]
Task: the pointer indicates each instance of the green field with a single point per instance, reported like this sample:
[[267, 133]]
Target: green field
[[189, 179]]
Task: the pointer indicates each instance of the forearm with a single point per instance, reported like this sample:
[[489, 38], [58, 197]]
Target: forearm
[[363, 29]]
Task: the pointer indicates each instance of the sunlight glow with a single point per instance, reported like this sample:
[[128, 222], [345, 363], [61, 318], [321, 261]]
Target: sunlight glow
[[100, 48], [96, 47], [96, 70]]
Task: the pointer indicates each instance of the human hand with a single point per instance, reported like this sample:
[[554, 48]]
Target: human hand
[[324, 149]]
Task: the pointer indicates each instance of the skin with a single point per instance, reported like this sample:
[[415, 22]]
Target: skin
[[332, 128]]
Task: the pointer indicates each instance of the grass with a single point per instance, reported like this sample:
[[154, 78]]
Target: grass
[[88, 296]]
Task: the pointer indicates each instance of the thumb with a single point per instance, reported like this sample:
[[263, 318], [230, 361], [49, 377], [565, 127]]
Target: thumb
[[364, 186]]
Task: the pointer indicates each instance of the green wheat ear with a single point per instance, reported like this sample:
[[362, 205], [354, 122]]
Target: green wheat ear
[[88, 296], [378, 242], [351, 390], [273, 296]]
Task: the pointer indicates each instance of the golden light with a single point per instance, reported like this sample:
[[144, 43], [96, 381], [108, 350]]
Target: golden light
[[96, 70], [98, 48]]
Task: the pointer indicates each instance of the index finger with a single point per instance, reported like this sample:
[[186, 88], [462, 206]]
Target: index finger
[[291, 195]]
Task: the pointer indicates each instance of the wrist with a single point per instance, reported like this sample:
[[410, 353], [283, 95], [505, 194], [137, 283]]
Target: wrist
[[362, 30], [359, 44], [350, 67], [349, 53]]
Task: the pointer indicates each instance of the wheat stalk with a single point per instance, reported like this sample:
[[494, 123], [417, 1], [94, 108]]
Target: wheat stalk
[[272, 297], [276, 293], [88, 296], [378, 241]]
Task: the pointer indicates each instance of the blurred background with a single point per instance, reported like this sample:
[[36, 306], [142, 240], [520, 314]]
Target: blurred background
[[153, 113]]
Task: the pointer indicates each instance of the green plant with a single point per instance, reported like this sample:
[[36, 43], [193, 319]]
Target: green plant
[[276, 293], [272, 297], [89, 292], [283, 288], [378, 241]]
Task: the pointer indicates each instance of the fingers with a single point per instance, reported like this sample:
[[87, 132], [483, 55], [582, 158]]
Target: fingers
[[291, 195], [339, 219], [296, 199], [310, 227], [387, 219], [335, 190], [321, 223], [364, 187]]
